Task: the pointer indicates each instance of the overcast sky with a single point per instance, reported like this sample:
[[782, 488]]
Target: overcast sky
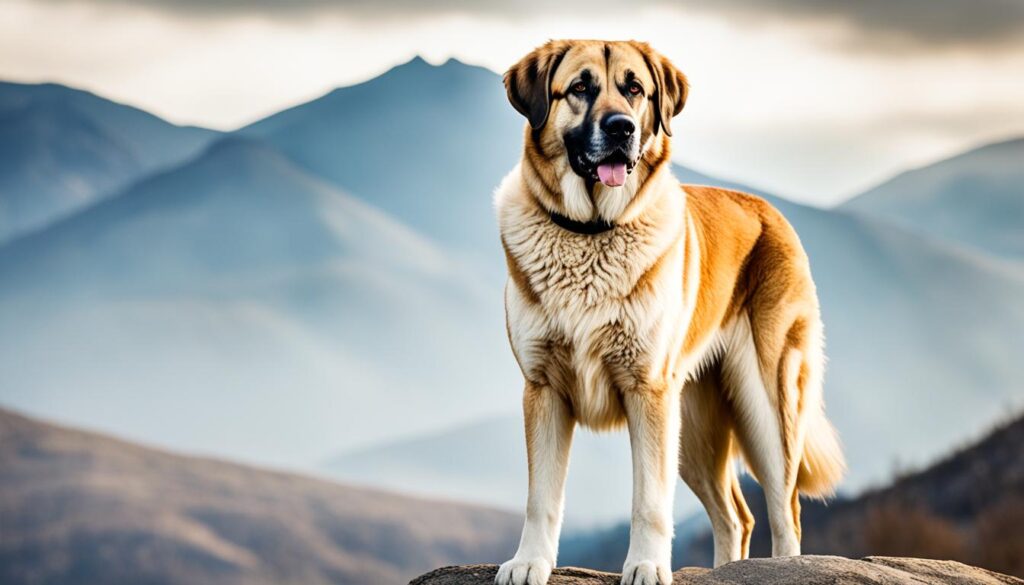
[[813, 99]]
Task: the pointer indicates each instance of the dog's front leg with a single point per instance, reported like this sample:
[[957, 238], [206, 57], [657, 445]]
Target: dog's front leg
[[653, 417], [549, 427]]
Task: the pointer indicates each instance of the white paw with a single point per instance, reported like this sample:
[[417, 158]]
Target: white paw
[[646, 573], [533, 571]]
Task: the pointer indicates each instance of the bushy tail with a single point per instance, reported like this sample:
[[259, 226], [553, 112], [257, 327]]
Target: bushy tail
[[823, 464]]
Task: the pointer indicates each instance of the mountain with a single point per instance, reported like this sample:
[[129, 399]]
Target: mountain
[[240, 288], [427, 144], [975, 199], [62, 149], [79, 507]]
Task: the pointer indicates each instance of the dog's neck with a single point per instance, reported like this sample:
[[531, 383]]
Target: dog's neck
[[585, 228]]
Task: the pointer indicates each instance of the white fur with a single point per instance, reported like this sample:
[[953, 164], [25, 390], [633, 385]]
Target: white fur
[[612, 201], [576, 198], [763, 440], [538, 546], [655, 464]]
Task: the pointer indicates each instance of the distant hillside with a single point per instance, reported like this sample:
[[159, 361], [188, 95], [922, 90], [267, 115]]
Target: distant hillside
[[61, 149], [238, 287], [975, 198], [78, 507]]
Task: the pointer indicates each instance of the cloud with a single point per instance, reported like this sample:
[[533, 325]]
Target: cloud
[[924, 23], [899, 25]]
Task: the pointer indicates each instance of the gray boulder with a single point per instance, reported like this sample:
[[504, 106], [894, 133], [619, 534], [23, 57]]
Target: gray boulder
[[806, 570]]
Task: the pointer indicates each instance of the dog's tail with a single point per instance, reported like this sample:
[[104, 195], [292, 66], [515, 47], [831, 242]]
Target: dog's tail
[[823, 464]]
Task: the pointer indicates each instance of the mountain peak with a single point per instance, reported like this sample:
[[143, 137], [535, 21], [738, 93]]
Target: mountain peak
[[420, 62], [418, 66], [416, 61]]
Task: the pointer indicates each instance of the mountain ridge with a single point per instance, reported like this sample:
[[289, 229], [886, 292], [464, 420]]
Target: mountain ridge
[[62, 149], [973, 198]]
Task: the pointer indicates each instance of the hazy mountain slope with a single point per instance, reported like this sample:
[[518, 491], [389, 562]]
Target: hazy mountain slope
[[975, 198], [78, 507], [62, 148], [238, 287], [426, 144]]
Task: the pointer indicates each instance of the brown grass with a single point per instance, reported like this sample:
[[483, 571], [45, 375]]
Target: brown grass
[[894, 528], [1000, 537]]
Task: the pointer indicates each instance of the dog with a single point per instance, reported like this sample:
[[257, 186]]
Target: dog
[[685, 313]]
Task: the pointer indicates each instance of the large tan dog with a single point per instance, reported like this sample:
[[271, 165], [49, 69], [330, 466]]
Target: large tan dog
[[686, 313]]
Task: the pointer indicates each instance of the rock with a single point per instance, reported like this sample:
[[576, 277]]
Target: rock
[[806, 570]]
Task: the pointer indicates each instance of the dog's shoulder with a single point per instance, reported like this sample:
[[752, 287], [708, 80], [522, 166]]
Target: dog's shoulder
[[725, 219], [728, 212]]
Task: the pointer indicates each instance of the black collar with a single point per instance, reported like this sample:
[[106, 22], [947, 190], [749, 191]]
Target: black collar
[[587, 228]]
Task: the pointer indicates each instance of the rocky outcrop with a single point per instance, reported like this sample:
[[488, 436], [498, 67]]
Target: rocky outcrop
[[806, 570]]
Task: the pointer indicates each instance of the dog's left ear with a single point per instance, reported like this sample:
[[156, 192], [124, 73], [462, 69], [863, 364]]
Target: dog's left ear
[[528, 82], [671, 91]]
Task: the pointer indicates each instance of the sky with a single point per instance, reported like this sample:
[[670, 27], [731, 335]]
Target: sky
[[815, 100]]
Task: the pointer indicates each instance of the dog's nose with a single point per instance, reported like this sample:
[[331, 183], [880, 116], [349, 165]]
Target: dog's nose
[[618, 126]]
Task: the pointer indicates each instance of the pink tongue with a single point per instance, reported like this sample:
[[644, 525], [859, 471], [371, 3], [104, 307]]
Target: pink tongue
[[612, 174]]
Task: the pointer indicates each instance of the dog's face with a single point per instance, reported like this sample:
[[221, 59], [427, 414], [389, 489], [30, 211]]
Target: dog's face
[[597, 104]]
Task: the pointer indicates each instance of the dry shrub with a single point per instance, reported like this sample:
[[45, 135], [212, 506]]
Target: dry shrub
[[1000, 537], [900, 530]]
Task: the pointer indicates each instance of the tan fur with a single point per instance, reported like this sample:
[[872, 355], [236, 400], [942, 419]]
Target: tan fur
[[645, 324]]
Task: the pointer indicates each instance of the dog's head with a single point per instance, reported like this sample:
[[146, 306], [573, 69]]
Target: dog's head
[[598, 106]]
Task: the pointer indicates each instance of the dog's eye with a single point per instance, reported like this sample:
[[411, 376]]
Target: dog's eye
[[635, 88], [579, 87]]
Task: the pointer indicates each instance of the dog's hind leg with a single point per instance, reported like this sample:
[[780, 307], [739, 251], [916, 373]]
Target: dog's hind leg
[[549, 429], [706, 449], [765, 420]]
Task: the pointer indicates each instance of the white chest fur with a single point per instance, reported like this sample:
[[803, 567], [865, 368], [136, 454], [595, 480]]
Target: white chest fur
[[608, 309]]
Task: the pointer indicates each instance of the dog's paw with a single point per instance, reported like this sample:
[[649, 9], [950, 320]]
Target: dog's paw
[[646, 573], [533, 571]]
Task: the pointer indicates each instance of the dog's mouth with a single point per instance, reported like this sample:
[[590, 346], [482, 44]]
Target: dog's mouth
[[612, 170]]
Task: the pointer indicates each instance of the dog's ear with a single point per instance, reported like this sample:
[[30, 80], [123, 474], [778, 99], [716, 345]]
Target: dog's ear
[[528, 82], [670, 91]]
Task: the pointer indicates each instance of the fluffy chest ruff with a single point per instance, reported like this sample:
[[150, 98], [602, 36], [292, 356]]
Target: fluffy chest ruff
[[596, 316]]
